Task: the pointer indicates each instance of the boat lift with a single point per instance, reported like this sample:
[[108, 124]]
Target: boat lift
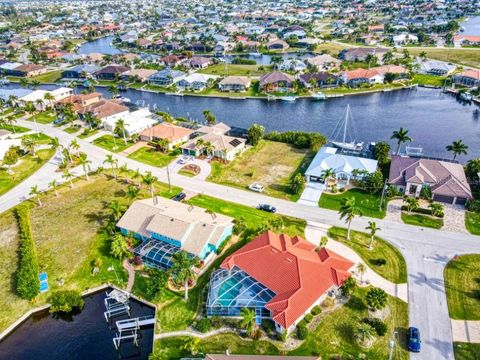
[[116, 304], [129, 329]]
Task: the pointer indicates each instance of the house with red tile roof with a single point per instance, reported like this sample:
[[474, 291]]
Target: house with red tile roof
[[354, 78], [281, 277]]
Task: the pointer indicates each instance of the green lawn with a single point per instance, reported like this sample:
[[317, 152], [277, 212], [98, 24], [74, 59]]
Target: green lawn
[[462, 283], [332, 337], [14, 128], [367, 203], [113, 144], [422, 220], [27, 166], [430, 80], [237, 70], [472, 222], [43, 117], [252, 217], [87, 134], [270, 163], [395, 268], [469, 57], [49, 77], [71, 129], [150, 156], [186, 173], [466, 351]]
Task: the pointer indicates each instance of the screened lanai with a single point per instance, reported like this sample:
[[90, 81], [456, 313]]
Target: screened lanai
[[157, 254], [231, 291]]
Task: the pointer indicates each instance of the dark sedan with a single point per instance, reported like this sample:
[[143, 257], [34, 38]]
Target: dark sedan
[[414, 342], [267, 208]]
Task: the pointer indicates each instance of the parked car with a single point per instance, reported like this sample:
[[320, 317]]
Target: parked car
[[256, 187], [184, 159], [414, 342], [179, 196], [267, 208]]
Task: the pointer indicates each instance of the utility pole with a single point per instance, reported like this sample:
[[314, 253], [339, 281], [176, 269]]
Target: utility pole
[[391, 344], [168, 177], [383, 195]]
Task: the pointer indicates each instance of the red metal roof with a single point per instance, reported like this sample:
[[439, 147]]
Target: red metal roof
[[293, 268]]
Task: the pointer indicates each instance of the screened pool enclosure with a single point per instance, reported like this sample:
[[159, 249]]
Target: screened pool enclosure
[[231, 291], [156, 254]]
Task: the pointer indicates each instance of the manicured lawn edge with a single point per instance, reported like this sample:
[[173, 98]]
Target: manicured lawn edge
[[367, 203], [472, 222], [422, 220]]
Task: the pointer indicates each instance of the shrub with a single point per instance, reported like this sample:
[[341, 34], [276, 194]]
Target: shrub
[[316, 310], [376, 298], [308, 318], [302, 332], [378, 262], [302, 323], [348, 286], [65, 301], [379, 326], [203, 325], [473, 206], [156, 283], [299, 139], [421, 211], [28, 284]]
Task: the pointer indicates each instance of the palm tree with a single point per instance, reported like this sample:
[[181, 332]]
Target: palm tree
[[436, 208], [132, 192], [53, 184], [182, 269], [136, 175], [348, 211], [120, 129], [112, 162], [328, 175], [372, 226], [376, 298], [200, 144], [35, 192], [191, 345], [362, 269], [248, 321], [116, 210], [364, 333], [54, 143], [119, 247], [85, 165], [40, 103], [411, 203], [29, 144], [457, 148], [209, 117], [49, 98], [401, 137], [74, 145], [149, 180], [11, 120], [67, 175], [113, 89], [162, 144]]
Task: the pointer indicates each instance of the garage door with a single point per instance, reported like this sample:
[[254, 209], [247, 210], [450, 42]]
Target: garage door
[[443, 198], [461, 201]]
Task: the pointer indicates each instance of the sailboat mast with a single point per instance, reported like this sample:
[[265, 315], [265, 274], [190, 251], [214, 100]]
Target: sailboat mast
[[346, 123]]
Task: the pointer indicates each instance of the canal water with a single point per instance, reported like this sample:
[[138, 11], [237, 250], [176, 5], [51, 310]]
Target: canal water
[[83, 336], [471, 26]]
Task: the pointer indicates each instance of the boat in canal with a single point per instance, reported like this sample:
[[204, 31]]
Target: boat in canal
[[319, 96], [342, 129], [288, 98]]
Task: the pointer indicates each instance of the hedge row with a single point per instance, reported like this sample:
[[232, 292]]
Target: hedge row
[[28, 284], [300, 139], [421, 211]]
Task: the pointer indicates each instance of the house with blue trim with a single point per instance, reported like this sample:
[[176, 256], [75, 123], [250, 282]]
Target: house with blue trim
[[167, 227]]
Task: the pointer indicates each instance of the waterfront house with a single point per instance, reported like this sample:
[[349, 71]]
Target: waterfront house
[[446, 180], [321, 79], [402, 39], [172, 60], [360, 54], [469, 78], [166, 227], [174, 134], [229, 356], [346, 167], [140, 75], [323, 62], [135, 122], [166, 77], [234, 83], [29, 70], [357, 77], [195, 82], [104, 110], [307, 43], [293, 65], [80, 101], [276, 81], [111, 72], [81, 71], [223, 146], [466, 40], [281, 277], [277, 44], [435, 67], [199, 62]]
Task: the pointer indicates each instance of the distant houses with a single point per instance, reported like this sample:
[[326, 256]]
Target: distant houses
[[276, 82]]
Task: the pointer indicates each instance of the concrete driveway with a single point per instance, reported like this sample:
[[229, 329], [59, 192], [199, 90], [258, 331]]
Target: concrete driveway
[[311, 194], [204, 165]]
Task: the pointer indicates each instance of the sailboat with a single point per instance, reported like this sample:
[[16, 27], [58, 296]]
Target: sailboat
[[341, 129]]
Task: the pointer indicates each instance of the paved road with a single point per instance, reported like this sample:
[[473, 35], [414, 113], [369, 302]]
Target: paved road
[[425, 250]]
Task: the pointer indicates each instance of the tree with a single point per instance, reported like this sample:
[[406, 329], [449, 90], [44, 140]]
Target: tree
[[248, 321], [364, 333], [53, 184], [85, 164], [150, 180], [10, 157], [402, 137], [10, 120], [67, 175], [457, 148], [132, 192], [182, 269], [255, 134], [297, 183], [35, 192], [120, 129], [162, 144], [372, 182], [372, 227], [348, 211], [119, 247], [156, 283], [54, 143], [387, 57], [376, 298], [191, 345], [436, 208], [362, 269], [109, 159], [348, 286], [116, 210], [74, 146], [327, 175], [381, 152], [411, 203], [323, 241], [113, 90], [65, 301], [209, 117], [29, 144], [473, 168]]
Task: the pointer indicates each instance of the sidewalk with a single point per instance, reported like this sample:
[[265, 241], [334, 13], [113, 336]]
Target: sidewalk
[[466, 331], [313, 233]]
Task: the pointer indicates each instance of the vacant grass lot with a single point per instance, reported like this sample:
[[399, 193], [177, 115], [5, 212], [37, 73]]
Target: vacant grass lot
[[466, 351], [150, 156], [395, 268], [68, 236], [333, 337], [470, 57], [472, 222], [26, 167], [43, 117], [111, 143], [430, 80], [237, 69], [270, 163], [368, 204], [422, 220], [49, 77], [462, 283]]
